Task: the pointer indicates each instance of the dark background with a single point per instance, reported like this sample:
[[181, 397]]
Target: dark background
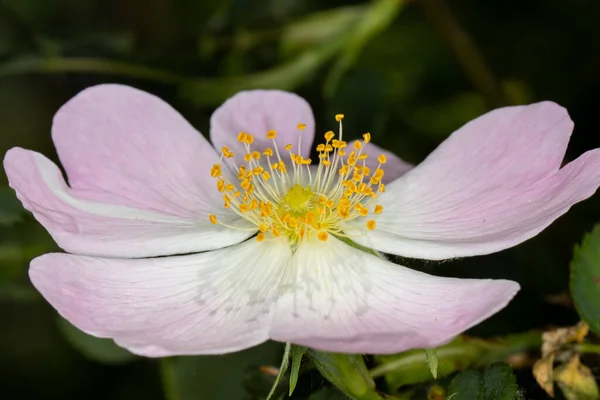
[[410, 80]]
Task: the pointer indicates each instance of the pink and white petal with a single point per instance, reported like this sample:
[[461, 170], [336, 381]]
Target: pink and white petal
[[120, 145], [394, 168], [341, 299], [258, 111], [210, 303], [83, 226], [494, 183]]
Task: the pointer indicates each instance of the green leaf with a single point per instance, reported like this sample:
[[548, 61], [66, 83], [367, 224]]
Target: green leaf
[[102, 350], [285, 362], [374, 20], [346, 371], [215, 377], [319, 27], [11, 210], [432, 361], [585, 279], [497, 383], [297, 354], [466, 386]]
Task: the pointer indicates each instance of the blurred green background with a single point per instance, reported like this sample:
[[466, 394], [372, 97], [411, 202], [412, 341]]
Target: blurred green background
[[409, 72]]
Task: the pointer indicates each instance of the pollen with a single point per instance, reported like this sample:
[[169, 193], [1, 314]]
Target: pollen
[[290, 197]]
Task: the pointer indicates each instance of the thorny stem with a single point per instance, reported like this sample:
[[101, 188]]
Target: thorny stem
[[486, 351], [466, 52]]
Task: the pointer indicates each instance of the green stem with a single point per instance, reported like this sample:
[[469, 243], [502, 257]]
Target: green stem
[[167, 373], [589, 348], [53, 65], [485, 351], [466, 52]]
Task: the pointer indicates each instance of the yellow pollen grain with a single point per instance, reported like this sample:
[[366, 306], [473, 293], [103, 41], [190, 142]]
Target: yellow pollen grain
[[323, 236], [249, 139], [326, 163], [260, 237], [256, 155], [268, 152], [371, 224], [357, 145], [244, 208], [213, 218], [288, 147], [364, 211], [367, 137], [378, 209], [242, 137], [266, 176], [339, 117], [271, 134], [301, 126], [382, 158], [329, 135], [321, 147]]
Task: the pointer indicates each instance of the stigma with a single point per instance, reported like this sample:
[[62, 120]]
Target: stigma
[[300, 200]]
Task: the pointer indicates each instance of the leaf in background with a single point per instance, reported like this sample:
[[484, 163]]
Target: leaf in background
[[497, 383], [11, 210], [297, 354], [317, 28], [363, 99], [375, 19], [101, 350], [585, 279], [215, 377], [287, 76]]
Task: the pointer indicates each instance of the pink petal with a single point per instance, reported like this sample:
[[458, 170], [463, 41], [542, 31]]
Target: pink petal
[[394, 168], [209, 303], [98, 228], [494, 183], [341, 299], [259, 111], [123, 146]]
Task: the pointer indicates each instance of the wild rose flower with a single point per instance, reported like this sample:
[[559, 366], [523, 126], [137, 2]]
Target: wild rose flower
[[270, 229]]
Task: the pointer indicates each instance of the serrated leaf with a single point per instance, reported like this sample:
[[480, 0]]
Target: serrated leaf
[[496, 383], [466, 386], [499, 382], [101, 350], [585, 279], [297, 354]]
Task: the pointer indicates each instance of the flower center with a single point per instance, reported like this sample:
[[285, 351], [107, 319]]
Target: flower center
[[306, 200]]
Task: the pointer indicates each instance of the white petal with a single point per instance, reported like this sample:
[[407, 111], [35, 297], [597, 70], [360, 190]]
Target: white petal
[[337, 298], [210, 303]]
